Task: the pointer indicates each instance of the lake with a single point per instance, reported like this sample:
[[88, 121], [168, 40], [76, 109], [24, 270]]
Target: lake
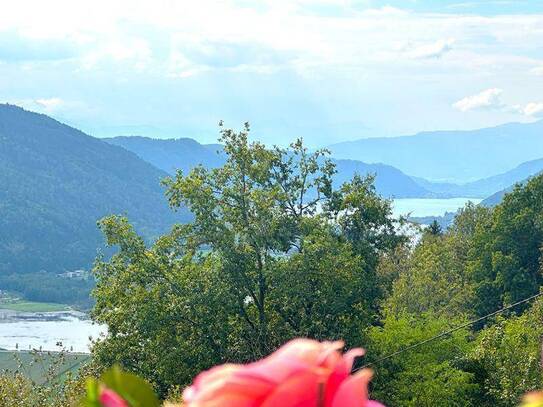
[[429, 207], [73, 329], [27, 330]]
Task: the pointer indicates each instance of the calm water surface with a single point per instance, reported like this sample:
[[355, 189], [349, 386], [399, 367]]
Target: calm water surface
[[429, 207], [34, 330]]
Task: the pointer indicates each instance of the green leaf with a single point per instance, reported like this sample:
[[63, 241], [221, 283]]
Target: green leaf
[[136, 391], [91, 399]]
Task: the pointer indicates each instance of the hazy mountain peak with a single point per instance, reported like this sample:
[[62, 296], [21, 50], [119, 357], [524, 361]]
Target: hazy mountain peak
[[453, 156]]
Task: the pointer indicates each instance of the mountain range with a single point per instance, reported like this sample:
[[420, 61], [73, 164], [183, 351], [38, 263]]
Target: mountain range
[[56, 182], [170, 155], [487, 186], [186, 153], [451, 156]]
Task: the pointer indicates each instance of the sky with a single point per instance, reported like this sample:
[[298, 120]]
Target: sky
[[324, 70]]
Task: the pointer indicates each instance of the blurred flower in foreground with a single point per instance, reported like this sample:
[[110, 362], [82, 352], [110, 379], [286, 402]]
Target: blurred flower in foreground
[[108, 398], [533, 399], [302, 373]]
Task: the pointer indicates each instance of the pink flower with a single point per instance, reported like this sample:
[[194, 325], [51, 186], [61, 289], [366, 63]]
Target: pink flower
[[108, 398], [302, 373]]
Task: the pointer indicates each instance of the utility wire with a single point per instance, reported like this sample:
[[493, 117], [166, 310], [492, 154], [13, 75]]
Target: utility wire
[[450, 331]]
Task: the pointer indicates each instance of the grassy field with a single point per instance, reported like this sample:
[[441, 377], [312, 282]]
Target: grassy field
[[36, 365], [29, 306]]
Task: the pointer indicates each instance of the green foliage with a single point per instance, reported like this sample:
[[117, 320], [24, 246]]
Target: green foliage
[[507, 357], [40, 379], [134, 390], [433, 281], [504, 257], [487, 259], [324, 292], [429, 375], [274, 252], [168, 309], [434, 229]]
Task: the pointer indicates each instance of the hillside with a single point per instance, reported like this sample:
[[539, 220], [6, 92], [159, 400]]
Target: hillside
[[171, 154], [389, 181], [497, 197], [451, 156], [186, 153], [56, 182], [486, 186]]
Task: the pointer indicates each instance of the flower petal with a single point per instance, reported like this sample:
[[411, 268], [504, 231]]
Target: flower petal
[[296, 357], [301, 390], [341, 371], [353, 392], [227, 384]]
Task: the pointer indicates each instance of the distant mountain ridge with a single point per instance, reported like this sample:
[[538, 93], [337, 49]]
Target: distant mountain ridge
[[451, 156], [484, 187], [171, 154], [497, 197], [56, 182], [389, 181], [186, 153]]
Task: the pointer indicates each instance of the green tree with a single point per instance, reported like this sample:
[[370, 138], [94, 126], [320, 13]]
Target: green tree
[[429, 375], [507, 357], [168, 311], [273, 252], [433, 280], [505, 252], [434, 228]]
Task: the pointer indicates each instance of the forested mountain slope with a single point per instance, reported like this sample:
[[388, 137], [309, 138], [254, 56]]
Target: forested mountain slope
[[56, 182], [171, 154]]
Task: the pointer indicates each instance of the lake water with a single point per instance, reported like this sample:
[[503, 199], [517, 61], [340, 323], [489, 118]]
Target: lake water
[[46, 329], [429, 207], [73, 329]]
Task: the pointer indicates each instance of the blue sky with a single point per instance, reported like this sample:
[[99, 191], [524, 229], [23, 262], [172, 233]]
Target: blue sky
[[326, 70]]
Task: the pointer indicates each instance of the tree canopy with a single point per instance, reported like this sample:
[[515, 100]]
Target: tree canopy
[[273, 252]]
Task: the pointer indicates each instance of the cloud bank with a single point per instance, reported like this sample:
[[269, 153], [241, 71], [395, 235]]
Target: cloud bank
[[326, 70]]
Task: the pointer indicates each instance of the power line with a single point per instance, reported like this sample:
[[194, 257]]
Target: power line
[[450, 331]]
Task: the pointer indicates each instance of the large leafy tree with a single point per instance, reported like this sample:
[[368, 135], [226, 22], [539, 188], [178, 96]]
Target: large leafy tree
[[505, 252], [273, 252], [427, 375], [432, 277], [507, 357]]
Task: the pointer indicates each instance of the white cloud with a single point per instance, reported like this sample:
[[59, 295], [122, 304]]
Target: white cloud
[[133, 51], [492, 99], [431, 50], [487, 99], [331, 59], [49, 104], [53, 105], [128, 32], [532, 109]]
